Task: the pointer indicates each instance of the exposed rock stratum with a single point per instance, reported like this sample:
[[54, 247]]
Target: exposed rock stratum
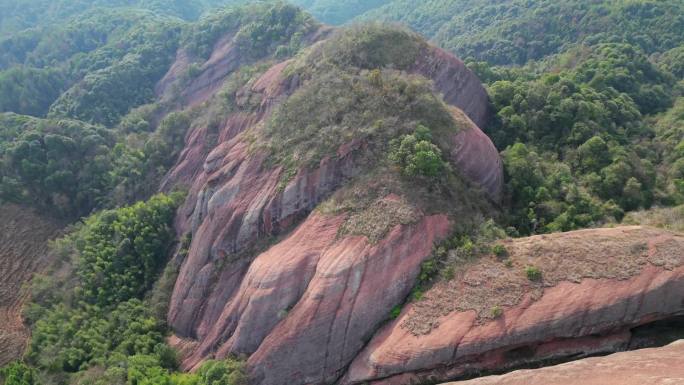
[[598, 286]]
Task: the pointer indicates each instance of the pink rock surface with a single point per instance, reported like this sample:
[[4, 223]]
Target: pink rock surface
[[592, 316], [655, 366], [354, 289], [458, 85], [477, 158], [306, 306]]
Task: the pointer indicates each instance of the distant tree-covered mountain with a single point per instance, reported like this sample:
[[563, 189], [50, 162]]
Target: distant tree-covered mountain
[[23, 14], [515, 31], [339, 12]]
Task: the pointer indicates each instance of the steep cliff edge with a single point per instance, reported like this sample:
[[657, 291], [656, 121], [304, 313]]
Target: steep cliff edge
[[591, 289], [655, 366], [304, 234]]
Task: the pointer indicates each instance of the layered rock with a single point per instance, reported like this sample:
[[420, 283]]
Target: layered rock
[[597, 286], [305, 306], [655, 366]]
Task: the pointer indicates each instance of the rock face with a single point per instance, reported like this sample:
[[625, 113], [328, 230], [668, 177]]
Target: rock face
[[656, 366], [226, 57], [305, 306], [637, 278], [477, 158], [459, 86], [23, 252]]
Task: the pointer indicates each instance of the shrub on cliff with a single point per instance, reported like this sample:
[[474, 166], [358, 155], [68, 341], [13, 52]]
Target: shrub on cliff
[[533, 273], [416, 155]]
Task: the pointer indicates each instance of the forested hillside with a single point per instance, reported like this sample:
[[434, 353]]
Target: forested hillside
[[339, 12], [587, 95], [515, 31], [85, 134], [247, 159], [86, 145], [19, 15]]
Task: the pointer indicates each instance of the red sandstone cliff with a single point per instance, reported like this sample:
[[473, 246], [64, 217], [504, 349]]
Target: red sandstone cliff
[[303, 308], [598, 286]]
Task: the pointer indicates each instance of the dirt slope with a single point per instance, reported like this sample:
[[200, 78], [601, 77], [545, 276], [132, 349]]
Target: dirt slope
[[23, 251]]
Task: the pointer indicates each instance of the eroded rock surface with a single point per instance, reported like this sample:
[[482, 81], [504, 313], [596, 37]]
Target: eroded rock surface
[[593, 295], [266, 275], [655, 366]]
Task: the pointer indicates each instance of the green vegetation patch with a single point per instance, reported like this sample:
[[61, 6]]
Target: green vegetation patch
[[258, 29], [18, 373], [57, 165], [98, 323], [123, 250], [95, 316], [69, 167], [339, 107], [366, 46], [581, 145], [415, 154]]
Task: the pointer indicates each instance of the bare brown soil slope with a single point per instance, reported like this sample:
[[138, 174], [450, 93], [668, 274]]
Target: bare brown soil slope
[[656, 366], [23, 251], [595, 287]]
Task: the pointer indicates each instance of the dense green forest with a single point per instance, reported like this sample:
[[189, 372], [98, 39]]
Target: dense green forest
[[597, 132], [584, 91], [28, 14], [339, 12], [588, 100], [102, 325], [515, 31]]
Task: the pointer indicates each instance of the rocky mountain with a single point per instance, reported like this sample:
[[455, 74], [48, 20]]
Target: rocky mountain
[[235, 296], [341, 223], [269, 200]]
